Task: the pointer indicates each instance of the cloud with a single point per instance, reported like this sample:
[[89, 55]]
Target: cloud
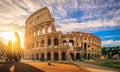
[[111, 43], [88, 26], [77, 15], [110, 36]]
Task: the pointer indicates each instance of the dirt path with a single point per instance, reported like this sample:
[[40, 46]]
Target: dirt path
[[96, 68], [39, 67]]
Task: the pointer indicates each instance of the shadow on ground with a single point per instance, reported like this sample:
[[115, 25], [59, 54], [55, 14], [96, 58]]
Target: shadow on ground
[[17, 67]]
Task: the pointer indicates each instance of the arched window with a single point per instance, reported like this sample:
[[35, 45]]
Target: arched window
[[80, 44], [55, 41], [48, 56], [78, 56], [49, 29], [63, 55], [85, 45], [71, 43], [43, 30], [42, 43], [64, 43], [49, 42], [56, 56]]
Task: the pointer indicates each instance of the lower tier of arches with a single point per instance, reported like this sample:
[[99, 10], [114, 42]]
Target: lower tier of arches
[[62, 56]]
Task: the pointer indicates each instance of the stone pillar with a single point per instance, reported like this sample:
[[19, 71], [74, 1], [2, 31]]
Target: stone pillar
[[53, 27], [83, 52], [52, 55], [67, 42], [74, 55], [40, 43], [39, 56], [46, 29], [52, 41], [40, 29], [46, 42], [45, 56], [75, 42], [68, 55], [59, 55]]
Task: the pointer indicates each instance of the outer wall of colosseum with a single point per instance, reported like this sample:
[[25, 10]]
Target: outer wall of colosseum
[[43, 42]]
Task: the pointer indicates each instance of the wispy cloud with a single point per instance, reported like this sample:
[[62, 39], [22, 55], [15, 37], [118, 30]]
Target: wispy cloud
[[111, 43], [77, 15]]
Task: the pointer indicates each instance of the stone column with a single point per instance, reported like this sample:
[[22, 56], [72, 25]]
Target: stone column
[[46, 42], [83, 52], [74, 55], [68, 55], [52, 55], [59, 55], [46, 29], [40, 29], [45, 56], [39, 56], [52, 41], [67, 42], [53, 27]]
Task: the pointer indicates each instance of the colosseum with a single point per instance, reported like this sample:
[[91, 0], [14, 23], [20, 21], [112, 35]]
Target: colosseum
[[43, 42]]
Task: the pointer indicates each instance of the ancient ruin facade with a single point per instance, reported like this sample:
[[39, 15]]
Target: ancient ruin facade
[[43, 42]]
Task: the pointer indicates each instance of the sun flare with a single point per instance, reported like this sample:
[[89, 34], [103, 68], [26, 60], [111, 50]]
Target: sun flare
[[9, 36]]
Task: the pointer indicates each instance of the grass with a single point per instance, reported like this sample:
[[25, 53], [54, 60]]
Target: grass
[[108, 64]]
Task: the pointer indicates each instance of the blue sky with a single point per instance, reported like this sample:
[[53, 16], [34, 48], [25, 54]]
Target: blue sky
[[99, 17]]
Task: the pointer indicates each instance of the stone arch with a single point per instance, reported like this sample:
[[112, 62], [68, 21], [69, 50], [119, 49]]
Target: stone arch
[[49, 42], [72, 56], [56, 56], [71, 43], [89, 57], [56, 41], [37, 56], [42, 43], [42, 56], [63, 55], [78, 57], [48, 56], [64, 42]]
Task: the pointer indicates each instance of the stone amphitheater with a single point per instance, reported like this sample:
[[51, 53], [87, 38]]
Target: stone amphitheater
[[43, 42]]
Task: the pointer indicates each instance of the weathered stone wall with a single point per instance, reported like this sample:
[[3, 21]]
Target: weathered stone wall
[[43, 42]]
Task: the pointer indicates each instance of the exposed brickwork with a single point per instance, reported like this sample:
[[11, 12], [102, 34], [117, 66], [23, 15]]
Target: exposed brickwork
[[43, 42]]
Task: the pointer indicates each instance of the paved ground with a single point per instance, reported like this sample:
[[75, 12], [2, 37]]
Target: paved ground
[[39, 67], [96, 68], [30, 66]]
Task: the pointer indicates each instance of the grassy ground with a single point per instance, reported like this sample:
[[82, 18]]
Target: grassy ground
[[108, 64]]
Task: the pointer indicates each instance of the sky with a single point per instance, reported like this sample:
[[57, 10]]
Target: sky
[[99, 17]]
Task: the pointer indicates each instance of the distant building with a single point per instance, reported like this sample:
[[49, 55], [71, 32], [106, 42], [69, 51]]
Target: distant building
[[43, 42], [103, 57]]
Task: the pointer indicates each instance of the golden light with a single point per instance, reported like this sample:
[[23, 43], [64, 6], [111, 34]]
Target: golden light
[[9, 36]]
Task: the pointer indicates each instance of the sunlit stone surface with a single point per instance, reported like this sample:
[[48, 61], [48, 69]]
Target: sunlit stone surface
[[43, 42]]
